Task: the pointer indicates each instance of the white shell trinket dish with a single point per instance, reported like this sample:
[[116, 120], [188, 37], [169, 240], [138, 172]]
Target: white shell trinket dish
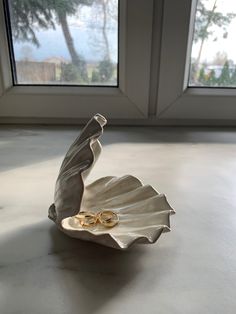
[[142, 213]]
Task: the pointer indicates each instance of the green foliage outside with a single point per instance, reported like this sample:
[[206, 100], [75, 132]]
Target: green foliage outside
[[104, 72], [70, 73], [208, 77]]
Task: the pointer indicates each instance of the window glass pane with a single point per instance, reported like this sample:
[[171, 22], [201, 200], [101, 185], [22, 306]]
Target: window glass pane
[[71, 42], [213, 57]]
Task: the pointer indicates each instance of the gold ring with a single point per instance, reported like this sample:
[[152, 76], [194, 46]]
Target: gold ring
[[87, 219], [108, 218]]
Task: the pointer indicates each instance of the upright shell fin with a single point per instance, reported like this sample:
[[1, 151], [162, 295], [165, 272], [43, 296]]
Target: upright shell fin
[[76, 166]]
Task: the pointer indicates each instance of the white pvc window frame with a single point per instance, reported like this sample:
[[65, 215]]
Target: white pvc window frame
[[154, 59], [128, 101], [176, 101]]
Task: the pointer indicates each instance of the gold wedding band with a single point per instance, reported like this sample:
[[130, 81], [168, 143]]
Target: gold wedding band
[[87, 219], [108, 218]]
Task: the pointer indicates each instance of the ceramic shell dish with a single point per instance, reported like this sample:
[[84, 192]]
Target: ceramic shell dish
[[143, 213]]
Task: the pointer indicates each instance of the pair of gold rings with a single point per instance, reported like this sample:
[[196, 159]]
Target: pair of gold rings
[[107, 218]]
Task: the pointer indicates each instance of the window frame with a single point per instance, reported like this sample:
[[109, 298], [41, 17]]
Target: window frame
[[175, 99], [154, 52], [128, 101]]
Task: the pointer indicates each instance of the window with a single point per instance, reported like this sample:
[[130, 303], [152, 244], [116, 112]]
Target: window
[[180, 100], [118, 89], [64, 42], [170, 62], [213, 58]]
